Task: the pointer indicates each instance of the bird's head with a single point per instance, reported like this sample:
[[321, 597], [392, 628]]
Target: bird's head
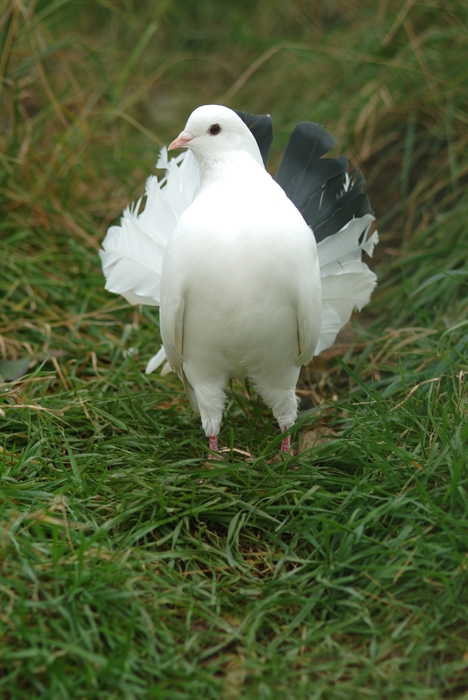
[[213, 131]]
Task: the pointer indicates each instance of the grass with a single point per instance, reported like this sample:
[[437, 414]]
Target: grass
[[131, 571]]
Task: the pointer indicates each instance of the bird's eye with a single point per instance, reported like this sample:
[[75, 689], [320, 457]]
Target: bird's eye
[[214, 129]]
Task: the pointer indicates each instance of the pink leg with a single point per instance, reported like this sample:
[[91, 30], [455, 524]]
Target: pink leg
[[286, 444], [213, 444]]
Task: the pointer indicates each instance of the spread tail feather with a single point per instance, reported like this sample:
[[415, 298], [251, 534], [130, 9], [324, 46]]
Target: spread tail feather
[[347, 283], [133, 252], [156, 361]]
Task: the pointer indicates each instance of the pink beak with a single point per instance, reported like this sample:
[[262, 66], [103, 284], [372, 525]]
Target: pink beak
[[181, 141]]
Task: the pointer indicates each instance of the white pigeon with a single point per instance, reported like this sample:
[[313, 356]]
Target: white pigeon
[[228, 254]]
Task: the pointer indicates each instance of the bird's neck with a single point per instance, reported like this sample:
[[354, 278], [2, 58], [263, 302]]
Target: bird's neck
[[226, 166]]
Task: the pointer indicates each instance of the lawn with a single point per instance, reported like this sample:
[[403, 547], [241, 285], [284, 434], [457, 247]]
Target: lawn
[[129, 569]]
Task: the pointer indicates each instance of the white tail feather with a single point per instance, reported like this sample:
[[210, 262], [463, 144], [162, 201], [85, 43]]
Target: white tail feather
[[133, 252], [347, 283], [344, 246], [156, 361]]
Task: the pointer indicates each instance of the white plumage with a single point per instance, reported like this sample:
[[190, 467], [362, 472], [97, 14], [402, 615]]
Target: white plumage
[[243, 287]]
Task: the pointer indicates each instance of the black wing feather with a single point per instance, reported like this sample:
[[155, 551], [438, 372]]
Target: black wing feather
[[261, 127], [316, 185]]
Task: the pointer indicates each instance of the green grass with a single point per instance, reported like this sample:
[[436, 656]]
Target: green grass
[[129, 569]]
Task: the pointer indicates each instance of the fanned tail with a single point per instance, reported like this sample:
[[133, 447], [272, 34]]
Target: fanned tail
[[133, 252], [340, 215], [327, 197]]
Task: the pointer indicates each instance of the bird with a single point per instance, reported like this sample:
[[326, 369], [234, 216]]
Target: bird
[[254, 275]]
